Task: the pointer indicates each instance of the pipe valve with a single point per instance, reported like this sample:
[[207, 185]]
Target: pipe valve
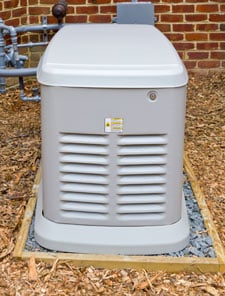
[[59, 10]]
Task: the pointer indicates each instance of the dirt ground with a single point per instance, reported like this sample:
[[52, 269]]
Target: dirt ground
[[19, 160]]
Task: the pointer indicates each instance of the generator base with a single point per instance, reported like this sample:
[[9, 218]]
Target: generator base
[[139, 240]]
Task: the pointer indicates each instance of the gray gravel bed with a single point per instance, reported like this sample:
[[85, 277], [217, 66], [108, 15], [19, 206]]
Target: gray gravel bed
[[200, 243]]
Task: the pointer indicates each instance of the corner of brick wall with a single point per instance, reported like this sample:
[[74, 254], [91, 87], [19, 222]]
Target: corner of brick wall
[[196, 28]]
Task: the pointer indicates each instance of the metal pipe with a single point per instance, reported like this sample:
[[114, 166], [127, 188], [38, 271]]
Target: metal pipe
[[13, 32], [33, 28], [29, 44], [28, 28], [2, 60], [59, 11], [16, 61], [13, 35], [35, 97], [29, 99], [18, 72]]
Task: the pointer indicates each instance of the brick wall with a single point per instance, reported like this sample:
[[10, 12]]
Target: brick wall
[[196, 28]]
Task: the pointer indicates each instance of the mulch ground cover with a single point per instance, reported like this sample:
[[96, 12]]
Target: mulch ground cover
[[19, 161]]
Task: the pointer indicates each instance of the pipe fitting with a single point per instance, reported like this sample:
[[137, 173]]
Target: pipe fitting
[[34, 98], [35, 93], [10, 57], [59, 10]]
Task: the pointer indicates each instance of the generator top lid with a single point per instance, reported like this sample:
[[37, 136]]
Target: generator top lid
[[111, 55]]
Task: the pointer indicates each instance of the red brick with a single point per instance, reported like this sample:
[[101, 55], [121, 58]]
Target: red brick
[[52, 19], [76, 18], [207, 45], [222, 7], [195, 55], [172, 18], [39, 10], [194, 1], [70, 10], [32, 2], [172, 1], [183, 8], [118, 1], [52, 2], [100, 19], [24, 20], [163, 27], [196, 37], [33, 19], [222, 45], [207, 27], [183, 45], [217, 36], [23, 2], [24, 39], [162, 8], [87, 9], [218, 55], [195, 17], [34, 38], [207, 8], [108, 9], [14, 3], [7, 4], [175, 37], [181, 54], [13, 22], [76, 2], [208, 64], [190, 64], [17, 12], [183, 27], [5, 15], [99, 1], [217, 17]]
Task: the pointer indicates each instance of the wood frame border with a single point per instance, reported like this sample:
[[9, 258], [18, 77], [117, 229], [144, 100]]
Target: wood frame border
[[150, 263]]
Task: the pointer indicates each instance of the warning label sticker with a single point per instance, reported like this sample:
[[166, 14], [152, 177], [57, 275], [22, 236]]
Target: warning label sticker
[[114, 125]]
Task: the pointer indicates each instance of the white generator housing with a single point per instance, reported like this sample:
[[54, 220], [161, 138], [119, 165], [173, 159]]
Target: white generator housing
[[113, 108]]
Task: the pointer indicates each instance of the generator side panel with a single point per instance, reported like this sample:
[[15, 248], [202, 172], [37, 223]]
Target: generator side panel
[[112, 157]]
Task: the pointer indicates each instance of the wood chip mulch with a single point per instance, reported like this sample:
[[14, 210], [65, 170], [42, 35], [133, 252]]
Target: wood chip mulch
[[19, 160], [205, 140]]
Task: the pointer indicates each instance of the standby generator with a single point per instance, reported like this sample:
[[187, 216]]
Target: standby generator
[[113, 109]]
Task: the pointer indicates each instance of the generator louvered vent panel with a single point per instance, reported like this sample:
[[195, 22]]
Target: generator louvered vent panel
[[142, 180], [113, 179], [84, 176]]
